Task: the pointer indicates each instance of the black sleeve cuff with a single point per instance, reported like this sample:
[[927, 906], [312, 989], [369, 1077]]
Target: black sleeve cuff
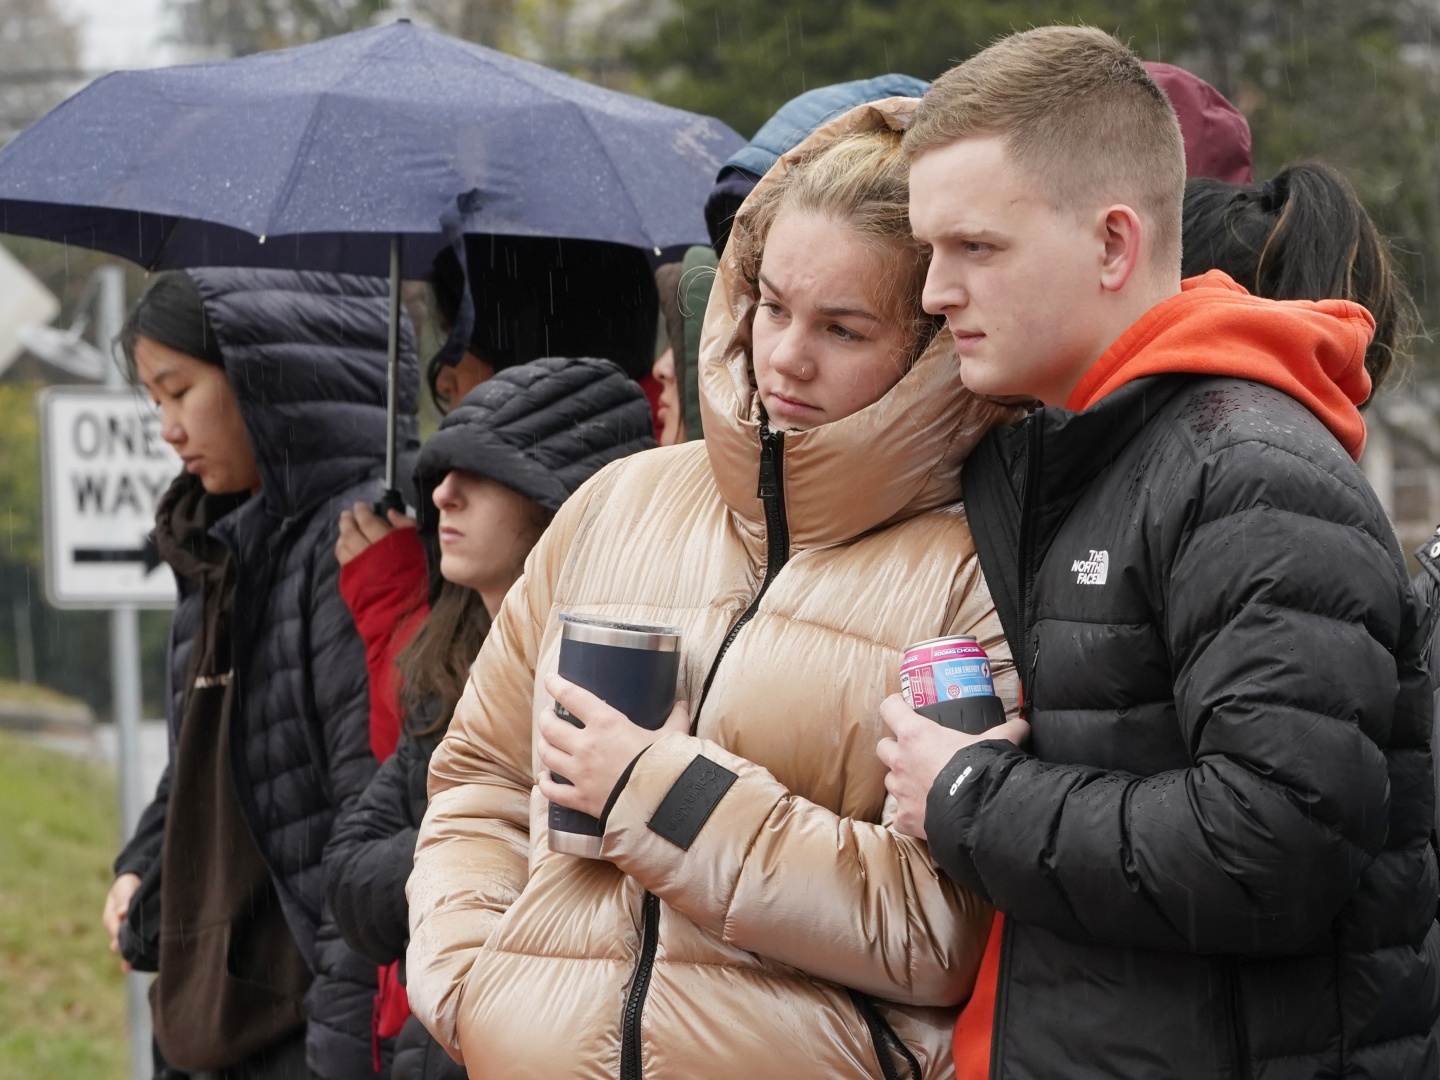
[[955, 801]]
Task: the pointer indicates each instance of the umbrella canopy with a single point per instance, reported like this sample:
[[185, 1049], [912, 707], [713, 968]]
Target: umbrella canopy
[[315, 157]]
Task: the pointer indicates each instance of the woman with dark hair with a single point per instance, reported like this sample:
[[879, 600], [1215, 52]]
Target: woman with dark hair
[[541, 296], [501, 464], [533, 297], [219, 890], [1303, 235]]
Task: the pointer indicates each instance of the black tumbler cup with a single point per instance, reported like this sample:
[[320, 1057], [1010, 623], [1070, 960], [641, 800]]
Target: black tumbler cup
[[631, 667]]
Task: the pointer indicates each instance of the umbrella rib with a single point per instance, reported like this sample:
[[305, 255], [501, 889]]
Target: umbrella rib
[[619, 176], [292, 177], [523, 76]]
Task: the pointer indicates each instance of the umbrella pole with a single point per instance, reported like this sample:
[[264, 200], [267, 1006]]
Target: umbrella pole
[[392, 380]]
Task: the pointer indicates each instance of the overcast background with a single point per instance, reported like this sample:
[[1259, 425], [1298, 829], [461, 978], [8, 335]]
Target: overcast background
[[120, 33]]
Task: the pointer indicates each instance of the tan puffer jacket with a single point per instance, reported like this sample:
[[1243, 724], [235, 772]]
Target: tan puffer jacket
[[734, 958]]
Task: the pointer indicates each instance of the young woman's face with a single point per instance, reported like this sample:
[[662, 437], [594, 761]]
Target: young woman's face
[[453, 383], [671, 412], [486, 530], [199, 417], [822, 347]]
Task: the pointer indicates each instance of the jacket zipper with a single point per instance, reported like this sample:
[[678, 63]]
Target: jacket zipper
[[1027, 679], [777, 550], [1026, 545]]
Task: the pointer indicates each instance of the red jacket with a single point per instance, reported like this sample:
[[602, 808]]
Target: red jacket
[[386, 587]]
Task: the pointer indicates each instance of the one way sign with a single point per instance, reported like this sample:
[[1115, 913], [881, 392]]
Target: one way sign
[[105, 468]]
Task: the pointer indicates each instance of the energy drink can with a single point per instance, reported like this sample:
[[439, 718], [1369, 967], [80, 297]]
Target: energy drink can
[[630, 666], [948, 679]]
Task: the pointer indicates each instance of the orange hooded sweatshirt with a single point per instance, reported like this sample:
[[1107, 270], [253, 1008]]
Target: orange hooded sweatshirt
[[1315, 352]]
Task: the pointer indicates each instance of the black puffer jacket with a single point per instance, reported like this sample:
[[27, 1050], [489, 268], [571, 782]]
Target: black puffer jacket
[[542, 429], [306, 356], [1215, 861], [1427, 589]]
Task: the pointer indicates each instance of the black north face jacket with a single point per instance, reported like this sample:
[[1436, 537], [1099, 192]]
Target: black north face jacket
[[1215, 858]]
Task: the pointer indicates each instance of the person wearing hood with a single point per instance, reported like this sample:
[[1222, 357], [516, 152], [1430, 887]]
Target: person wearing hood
[[537, 296], [531, 297], [1212, 854], [792, 122], [271, 388], [811, 537], [504, 460]]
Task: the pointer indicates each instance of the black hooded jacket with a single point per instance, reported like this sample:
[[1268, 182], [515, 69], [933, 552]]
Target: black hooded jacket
[[1215, 860], [542, 429], [306, 355]]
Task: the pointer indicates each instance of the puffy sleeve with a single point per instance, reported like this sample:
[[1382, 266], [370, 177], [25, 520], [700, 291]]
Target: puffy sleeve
[[1285, 611], [768, 871], [472, 857]]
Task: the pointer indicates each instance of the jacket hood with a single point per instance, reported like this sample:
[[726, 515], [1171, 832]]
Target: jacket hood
[[889, 461], [791, 123], [306, 354], [1313, 351], [542, 429]]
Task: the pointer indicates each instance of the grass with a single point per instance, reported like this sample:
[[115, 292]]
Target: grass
[[32, 693], [62, 998]]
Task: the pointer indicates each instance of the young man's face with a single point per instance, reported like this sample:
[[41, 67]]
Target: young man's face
[[1019, 282]]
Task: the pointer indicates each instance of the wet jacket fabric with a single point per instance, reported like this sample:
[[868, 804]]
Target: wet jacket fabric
[[1214, 859], [1427, 590], [792, 933], [306, 356]]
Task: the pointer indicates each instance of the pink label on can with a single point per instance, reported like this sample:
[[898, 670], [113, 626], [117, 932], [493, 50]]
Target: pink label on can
[[944, 671]]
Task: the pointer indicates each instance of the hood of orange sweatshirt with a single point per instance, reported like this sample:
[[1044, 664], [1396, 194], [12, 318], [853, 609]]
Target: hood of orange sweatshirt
[[1313, 351]]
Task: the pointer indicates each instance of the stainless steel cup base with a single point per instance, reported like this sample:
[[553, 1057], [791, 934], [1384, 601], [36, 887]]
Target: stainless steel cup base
[[569, 843]]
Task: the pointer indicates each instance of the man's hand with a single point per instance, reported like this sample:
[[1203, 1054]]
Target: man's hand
[[918, 751], [117, 906], [592, 758], [360, 527]]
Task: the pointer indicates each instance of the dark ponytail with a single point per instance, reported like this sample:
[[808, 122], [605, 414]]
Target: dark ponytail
[[1303, 235]]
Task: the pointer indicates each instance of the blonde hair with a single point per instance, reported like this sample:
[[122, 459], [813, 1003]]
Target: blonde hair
[[860, 181], [1079, 112]]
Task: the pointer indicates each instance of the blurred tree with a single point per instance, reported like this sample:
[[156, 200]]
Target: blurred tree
[[20, 525], [1353, 82], [741, 59], [241, 27], [39, 61]]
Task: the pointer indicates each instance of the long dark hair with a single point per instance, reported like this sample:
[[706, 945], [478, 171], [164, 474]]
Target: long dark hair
[[435, 665], [1303, 235]]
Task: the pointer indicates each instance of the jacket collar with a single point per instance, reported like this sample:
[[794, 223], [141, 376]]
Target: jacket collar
[[890, 461]]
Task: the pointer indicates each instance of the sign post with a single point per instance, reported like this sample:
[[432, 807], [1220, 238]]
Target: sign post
[[105, 468]]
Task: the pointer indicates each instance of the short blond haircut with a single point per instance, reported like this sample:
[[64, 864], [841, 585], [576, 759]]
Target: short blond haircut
[[1077, 110], [862, 182]]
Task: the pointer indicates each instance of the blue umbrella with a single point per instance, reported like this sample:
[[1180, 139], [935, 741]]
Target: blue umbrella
[[361, 153]]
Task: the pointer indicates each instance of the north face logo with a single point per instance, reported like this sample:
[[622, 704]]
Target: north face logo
[[1092, 571]]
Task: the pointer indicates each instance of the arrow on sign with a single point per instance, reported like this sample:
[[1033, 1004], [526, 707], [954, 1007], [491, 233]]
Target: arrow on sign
[[148, 555]]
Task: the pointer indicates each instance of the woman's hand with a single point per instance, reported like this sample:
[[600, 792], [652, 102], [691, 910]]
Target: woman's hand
[[360, 527], [592, 758], [117, 906]]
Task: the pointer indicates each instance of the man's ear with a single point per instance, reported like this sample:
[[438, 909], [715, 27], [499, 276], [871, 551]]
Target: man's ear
[[1123, 236]]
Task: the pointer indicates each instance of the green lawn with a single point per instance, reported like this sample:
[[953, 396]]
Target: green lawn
[[62, 999]]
